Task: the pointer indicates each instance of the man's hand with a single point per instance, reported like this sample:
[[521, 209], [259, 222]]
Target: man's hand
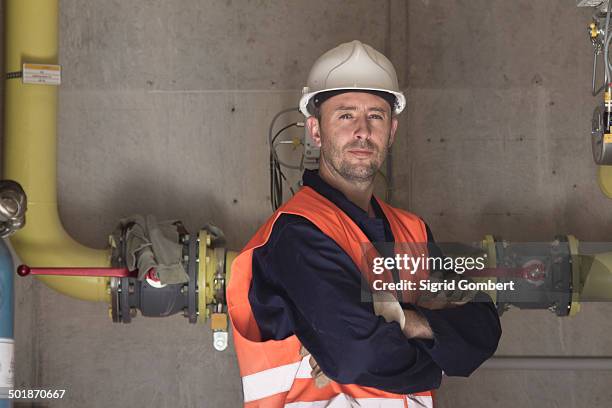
[[444, 299], [413, 325], [386, 305], [416, 326], [321, 380]]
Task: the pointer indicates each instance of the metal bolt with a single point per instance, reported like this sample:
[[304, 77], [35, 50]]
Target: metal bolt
[[220, 340], [208, 240]]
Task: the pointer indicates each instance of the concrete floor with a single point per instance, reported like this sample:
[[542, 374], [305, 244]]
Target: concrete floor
[[164, 109]]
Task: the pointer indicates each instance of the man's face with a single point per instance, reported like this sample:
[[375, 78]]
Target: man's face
[[354, 133]]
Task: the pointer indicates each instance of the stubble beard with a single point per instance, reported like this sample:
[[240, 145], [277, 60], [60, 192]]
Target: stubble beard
[[353, 172]]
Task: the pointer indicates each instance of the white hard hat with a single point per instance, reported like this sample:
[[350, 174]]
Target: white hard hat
[[352, 65]]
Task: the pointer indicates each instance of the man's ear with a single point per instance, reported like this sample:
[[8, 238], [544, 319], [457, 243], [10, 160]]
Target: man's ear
[[392, 132], [312, 124]]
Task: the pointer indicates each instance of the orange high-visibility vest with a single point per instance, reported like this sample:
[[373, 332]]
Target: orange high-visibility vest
[[273, 372]]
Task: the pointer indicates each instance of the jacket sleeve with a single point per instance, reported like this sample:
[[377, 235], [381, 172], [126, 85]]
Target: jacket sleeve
[[304, 280], [464, 336]]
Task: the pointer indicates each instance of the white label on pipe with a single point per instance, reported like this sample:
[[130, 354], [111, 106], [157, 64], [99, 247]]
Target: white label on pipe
[[7, 363], [45, 74]]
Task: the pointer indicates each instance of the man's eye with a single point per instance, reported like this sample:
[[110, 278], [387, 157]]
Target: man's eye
[[375, 116], [346, 116]]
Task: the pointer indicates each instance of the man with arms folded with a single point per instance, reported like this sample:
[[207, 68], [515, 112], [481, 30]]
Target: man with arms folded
[[297, 285]]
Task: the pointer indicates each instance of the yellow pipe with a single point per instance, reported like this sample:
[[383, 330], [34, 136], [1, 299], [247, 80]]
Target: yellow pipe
[[596, 277], [488, 244], [604, 178], [30, 151]]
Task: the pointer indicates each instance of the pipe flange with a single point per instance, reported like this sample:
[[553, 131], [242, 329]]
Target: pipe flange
[[219, 280], [600, 141], [114, 292], [192, 271], [124, 300], [120, 309], [562, 271]]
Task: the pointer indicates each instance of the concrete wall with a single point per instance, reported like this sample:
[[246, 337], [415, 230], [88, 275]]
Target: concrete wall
[[498, 141], [164, 109]]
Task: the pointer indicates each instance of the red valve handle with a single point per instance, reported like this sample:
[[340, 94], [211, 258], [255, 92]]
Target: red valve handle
[[24, 270], [533, 272]]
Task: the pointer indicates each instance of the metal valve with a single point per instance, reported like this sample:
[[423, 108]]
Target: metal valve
[[13, 205]]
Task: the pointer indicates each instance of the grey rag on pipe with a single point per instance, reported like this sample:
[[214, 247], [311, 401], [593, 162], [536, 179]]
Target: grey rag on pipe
[[152, 244]]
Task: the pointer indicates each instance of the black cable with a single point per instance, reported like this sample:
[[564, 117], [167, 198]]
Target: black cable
[[281, 131], [272, 181], [276, 174]]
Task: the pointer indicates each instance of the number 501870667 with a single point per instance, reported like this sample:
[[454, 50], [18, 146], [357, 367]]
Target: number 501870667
[[36, 394]]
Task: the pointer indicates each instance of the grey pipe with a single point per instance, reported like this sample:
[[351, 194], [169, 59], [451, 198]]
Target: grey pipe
[[549, 363]]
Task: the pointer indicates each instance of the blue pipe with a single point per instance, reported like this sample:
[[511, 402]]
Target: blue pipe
[[7, 316]]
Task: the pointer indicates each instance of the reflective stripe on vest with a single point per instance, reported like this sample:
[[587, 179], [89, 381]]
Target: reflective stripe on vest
[[344, 401], [274, 375], [274, 380]]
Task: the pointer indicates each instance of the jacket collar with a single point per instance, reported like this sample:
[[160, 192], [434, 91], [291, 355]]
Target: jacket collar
[[312, 179]]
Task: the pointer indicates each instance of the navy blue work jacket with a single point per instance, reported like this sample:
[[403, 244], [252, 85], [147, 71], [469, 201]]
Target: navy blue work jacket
[[305, 284]]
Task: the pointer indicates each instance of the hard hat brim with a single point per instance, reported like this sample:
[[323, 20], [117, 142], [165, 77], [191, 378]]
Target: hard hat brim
[[400, 99]]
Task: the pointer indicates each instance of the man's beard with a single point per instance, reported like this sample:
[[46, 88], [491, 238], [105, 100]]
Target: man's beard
[[350, 171]]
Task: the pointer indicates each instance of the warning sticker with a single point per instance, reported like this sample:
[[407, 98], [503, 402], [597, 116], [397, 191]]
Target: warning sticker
[[7, 363], [45, 74]]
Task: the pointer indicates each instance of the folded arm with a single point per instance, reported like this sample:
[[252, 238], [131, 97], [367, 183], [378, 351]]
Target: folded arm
[[463, 336]]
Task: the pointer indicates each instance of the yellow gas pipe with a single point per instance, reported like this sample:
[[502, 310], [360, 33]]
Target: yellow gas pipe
[[604, 173], [30, 151]]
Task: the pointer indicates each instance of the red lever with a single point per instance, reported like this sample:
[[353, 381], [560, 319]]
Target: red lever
[[24, 270], [533, 272]]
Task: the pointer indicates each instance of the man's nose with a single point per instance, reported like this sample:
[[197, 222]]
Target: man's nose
[[362, 127]]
